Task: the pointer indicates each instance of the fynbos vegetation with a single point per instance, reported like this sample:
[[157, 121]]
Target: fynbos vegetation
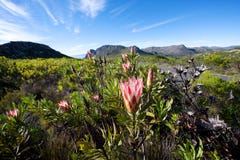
[[122, 107]]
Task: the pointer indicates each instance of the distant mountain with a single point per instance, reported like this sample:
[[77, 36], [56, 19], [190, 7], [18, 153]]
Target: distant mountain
[[210, 49], [181, 50], [107, 50], [110, 50], [21, 49], [202, 49], [174, 50]]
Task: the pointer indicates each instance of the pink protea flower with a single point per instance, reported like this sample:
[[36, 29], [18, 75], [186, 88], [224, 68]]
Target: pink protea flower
[[150, 77], [63, 105], [96, 97], [89, 54], [126, 66], [131, 92], [124, 56], [12, 113]]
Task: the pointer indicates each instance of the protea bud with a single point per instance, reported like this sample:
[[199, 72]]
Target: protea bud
[[133, 50], [196, 74], [12, 113], [82, 92], [89, 54], [190, 60], [126, 66], [150, 77], [201, 68], [179, 69], [63, 105], [124, 56], [175, 76], [96, 98], [131, 92]]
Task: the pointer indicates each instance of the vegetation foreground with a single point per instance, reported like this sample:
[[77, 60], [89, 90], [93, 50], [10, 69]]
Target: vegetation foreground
[[117, 108]]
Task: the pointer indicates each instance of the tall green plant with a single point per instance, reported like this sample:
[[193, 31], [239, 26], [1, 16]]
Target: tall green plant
[[187, 151]]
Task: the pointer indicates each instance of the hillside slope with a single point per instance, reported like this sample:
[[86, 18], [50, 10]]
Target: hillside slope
[[21, 49]]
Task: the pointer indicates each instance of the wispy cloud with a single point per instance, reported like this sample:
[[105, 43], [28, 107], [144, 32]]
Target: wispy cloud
[[155, 25], [14, 32], [90, 8], [120, 9], [49, 13], [131, 25], [13, 8]]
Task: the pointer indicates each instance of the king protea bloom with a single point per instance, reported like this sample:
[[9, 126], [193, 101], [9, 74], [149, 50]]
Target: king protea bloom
[[12, 113], [126, 66], [63, 105], [131, 92], [150, 77]]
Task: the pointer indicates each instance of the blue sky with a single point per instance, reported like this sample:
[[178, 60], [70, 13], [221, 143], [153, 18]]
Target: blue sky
[[75, 26]]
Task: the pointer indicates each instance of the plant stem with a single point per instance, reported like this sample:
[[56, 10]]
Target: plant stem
[[134, 137]]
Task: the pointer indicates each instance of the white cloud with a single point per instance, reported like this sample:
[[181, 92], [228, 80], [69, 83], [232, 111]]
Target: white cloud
[[90, 8], [76, 30], [49, 13], [156, 25], [13, 8], [14, 32]]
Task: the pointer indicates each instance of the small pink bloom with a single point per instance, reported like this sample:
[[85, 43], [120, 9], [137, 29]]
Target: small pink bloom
[[12, 113], [96, 97], [126, 66], [131, 92], [64, 105], [89, 54], [124, 56], [150, 77]]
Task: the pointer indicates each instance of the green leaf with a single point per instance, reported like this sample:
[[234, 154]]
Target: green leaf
[[150, 114], [200, 149]]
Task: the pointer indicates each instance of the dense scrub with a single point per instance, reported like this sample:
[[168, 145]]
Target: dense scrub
[[224, 62], [116, 108]]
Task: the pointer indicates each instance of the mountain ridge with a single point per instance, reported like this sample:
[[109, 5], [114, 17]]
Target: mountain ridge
[[23, 49], [30, 50], [172, 50]]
